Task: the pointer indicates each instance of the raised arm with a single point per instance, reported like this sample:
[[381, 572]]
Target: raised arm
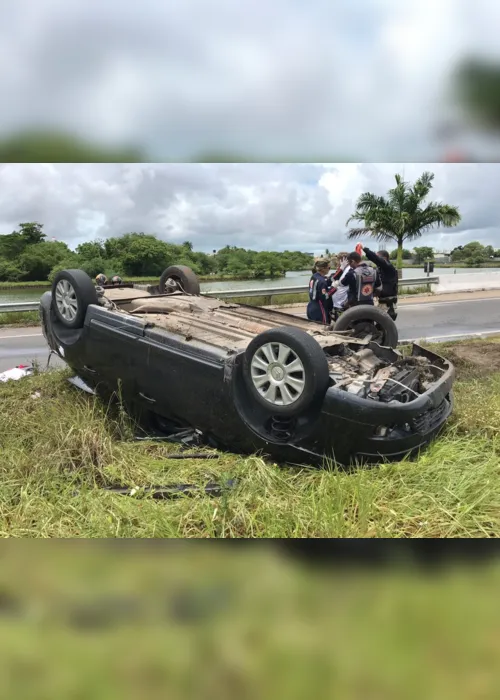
[[377, 259]]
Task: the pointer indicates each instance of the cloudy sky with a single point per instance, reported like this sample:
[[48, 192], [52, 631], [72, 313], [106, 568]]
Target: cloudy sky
[[344, 79], [262, 206]]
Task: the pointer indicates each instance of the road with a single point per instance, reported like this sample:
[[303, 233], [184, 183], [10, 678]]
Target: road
[[436, 321]]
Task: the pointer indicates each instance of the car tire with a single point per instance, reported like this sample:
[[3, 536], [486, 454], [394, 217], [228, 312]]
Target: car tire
[[72, 293], [359, 315], [179, 278], [292, 362]]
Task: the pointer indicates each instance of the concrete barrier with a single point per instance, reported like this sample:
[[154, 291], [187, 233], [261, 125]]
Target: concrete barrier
[[468, 282]]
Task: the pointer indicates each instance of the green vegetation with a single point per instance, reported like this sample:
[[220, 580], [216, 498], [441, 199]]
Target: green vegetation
[[244, 622], [422, 253], [405, 253], [473, 254], [20, 318], [402, 215], [60, 446], [60, 147], [477, 86], [27, 256]]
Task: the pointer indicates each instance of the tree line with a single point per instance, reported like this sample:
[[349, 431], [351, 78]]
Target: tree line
[[27, 255], [471, 254]]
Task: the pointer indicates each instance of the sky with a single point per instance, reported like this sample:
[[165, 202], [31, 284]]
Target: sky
[[352, 80], [263, 206]]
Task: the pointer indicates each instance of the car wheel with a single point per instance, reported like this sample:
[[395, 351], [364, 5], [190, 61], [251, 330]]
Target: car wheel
[[179, 278], [72, 292], [286, 371], [370, 323]]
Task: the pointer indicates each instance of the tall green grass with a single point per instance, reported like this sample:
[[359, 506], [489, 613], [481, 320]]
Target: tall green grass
[[58, 448]]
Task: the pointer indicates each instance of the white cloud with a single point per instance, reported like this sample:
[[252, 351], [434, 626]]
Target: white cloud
[[354, 78], [261, 206]]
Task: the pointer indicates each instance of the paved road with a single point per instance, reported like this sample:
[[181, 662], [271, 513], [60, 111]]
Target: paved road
[[444, 320], [20, 346]]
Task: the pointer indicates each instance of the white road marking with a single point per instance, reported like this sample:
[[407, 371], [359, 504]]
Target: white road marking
[[452, 335], [28, 335], [431, 304]]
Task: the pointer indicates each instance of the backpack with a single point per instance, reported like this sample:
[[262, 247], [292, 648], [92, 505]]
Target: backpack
[[366, 278]]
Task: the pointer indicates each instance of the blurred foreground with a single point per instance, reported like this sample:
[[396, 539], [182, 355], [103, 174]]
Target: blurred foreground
[[160, 620], [361, 81]]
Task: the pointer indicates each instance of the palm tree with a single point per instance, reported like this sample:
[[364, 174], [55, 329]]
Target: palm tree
[[402, 215]]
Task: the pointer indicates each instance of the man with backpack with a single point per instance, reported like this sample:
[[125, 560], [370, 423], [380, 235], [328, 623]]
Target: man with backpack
[[362, 280]]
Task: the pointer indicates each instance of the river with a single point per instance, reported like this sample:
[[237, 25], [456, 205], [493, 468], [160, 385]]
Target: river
[[291, 279]]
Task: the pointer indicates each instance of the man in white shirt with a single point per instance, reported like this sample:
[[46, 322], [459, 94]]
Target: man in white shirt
[[340, 297]]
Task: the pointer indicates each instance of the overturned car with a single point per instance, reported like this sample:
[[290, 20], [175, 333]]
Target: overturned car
[[249, 379]]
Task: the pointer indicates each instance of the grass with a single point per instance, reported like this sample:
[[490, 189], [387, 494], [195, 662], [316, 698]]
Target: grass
[[20, 318], [59, 445], [98, 622]]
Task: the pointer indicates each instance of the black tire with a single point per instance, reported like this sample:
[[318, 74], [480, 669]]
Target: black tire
[[83, 294], [314, 375], [360, 318], [185, 279]]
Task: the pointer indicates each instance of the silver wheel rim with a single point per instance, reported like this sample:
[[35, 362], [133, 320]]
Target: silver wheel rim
[[278, 374], [171, 285], [66, 301]]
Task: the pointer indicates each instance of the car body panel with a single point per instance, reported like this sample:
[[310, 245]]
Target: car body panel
[[182, 358]]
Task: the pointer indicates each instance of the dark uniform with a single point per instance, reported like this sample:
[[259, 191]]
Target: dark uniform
[[363, 283], [320, 303], [389, 277]]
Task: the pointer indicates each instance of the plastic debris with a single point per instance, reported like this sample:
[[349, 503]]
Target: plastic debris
[[16, 373], [80, 384]]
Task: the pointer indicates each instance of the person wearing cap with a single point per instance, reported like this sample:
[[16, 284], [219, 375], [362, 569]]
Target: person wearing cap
[[117, 280], [320, 306], [388, 295]]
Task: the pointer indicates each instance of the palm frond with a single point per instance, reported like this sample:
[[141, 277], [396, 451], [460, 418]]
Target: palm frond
[[401, 215]]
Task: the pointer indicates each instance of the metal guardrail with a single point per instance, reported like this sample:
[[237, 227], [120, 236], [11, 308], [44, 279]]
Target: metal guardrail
[[19, 306], [234, 293], [302, 289]]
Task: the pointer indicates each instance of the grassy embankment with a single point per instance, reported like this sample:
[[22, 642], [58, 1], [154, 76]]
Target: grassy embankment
[[59, 446]]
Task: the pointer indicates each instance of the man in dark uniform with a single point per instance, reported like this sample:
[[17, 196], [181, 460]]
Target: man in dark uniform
[[389, 276]]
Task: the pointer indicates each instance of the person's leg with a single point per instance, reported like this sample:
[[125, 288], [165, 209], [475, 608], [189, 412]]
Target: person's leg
[[315, 312], [391, 309]]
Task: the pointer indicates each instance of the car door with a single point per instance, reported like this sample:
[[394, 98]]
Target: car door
[[112, 350], [181, 380]]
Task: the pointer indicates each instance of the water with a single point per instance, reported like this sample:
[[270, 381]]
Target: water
[[291, 279]]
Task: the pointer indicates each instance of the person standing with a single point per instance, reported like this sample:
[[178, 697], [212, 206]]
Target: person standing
[[388, 296], [362, 282], [339, 299], [319, 308]]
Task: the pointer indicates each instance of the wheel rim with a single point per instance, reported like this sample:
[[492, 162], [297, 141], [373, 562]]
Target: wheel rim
[[66, 301], [171, 285], [278, 374]]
